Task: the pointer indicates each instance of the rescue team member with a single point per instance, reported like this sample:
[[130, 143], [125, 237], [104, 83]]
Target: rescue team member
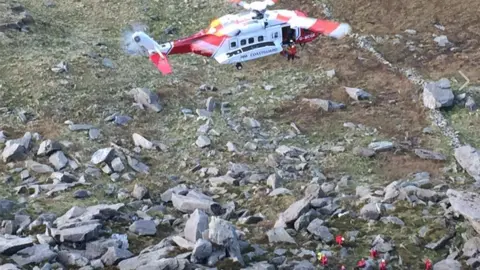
[[291, 51]]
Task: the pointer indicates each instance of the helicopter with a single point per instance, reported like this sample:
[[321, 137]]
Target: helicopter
[[236, 38]]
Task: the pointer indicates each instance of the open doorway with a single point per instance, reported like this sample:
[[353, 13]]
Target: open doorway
[[287, 34]]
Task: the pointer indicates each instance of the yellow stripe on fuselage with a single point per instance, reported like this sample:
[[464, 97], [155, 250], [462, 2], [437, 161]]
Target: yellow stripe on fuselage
[[215, 23]]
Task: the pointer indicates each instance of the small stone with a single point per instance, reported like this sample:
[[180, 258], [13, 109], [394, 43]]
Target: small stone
[[427, 154], [122, 120], [364, 152], [251, 146], [357, 93], [108, 63], [81, 194], [251, 122], [442, 40], [139, 140], [203, 141], [326, 105], [139, 192], [58, 160], [470, 104], [210, 104], [330, 73], [80, 127], [94, 133], [381, 146], [102, 155], [231, 147]]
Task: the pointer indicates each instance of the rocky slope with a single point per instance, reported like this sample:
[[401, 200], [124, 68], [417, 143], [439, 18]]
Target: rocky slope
[[106, 165]]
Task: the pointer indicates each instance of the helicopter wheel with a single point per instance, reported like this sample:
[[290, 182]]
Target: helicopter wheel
[[239, 66]]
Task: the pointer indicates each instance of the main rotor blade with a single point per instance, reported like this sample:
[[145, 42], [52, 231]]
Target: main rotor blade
[[329, 28]]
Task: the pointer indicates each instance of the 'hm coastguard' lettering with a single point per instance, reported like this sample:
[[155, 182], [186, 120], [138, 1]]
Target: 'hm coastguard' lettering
[[263, 52]]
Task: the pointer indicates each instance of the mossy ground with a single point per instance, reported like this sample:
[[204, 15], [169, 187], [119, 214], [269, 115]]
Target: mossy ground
[[89, 91]]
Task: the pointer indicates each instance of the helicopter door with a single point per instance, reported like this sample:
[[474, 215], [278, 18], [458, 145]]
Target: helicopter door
[[288, 34]]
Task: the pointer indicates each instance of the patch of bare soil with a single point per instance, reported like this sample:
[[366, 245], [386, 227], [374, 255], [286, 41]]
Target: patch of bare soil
[[460, 20], [393, 110], [394, 167]]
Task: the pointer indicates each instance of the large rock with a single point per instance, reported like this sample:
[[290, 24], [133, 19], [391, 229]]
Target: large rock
[[34, 255], [438, 94], [295, 210], [9, 266], [47, 147], [14, 152], [157, 257], [114, 255], [196, 224], [188, 204], [279, 235], [10, 244], [222, 232], [447, 264], [78, 232], [469, 158], [316, 228], [143, 227], [202, 250], [79, 214], [14, 17], [471, 248], [467, 204], [146, 99]]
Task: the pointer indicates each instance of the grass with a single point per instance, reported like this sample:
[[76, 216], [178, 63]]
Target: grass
[[89, 92], [464, 121]]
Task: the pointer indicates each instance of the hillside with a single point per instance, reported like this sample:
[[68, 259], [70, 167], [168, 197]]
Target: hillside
[[108, 164]]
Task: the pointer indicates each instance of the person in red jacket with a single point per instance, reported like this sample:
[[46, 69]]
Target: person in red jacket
[[291, 51], [383, 265]]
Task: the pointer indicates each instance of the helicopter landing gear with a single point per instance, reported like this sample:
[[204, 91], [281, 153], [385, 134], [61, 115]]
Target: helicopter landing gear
[[239, 66]]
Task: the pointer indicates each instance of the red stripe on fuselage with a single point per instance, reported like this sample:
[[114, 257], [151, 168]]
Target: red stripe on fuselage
[[214, 40], [185, 45]]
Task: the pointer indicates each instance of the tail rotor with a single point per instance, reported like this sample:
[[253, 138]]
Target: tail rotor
[[136, 42]]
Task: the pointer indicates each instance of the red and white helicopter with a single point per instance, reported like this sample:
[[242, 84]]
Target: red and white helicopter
[[236, 38]]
